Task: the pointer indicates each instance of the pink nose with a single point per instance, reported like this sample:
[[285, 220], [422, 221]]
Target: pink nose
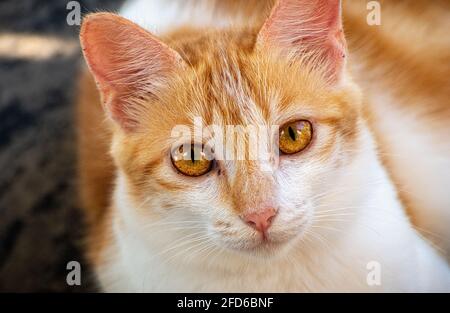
[[260, 221]]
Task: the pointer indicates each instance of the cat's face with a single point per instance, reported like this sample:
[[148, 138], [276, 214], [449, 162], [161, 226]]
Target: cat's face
[[308, 108], [214, 198]]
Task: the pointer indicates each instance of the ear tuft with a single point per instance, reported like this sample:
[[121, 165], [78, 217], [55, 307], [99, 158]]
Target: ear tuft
[[127, 62]]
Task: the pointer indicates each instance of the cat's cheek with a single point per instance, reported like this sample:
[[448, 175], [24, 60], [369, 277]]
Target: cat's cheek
[[293, 213], [297, 185]]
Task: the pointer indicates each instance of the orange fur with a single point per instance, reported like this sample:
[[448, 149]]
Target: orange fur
[[96, 170], [200, 92]]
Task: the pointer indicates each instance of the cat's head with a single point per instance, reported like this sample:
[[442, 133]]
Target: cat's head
[[287, 78]]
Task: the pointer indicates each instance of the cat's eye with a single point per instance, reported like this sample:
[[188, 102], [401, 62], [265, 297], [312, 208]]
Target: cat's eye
[[295, 136], [192, 160]]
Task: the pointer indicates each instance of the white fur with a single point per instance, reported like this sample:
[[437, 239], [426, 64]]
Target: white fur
[[419, 154], [378, 231], [162, 16], [164, 255]]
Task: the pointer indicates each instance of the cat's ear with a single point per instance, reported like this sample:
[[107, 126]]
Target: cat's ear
[[127, 63], [308, 27]]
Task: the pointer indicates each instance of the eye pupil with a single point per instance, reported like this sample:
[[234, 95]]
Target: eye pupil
[[292, 133], [192, 155]]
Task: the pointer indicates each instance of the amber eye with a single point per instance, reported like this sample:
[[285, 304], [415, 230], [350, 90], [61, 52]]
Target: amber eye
[[191, 160], [295, 136]]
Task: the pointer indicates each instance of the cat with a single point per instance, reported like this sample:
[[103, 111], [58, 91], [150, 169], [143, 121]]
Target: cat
[[338, 206]]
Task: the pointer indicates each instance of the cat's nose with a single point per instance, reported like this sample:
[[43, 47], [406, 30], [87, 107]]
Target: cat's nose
[[261, 220]]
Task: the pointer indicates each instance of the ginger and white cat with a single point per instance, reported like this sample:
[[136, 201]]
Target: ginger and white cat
[[362, 133]]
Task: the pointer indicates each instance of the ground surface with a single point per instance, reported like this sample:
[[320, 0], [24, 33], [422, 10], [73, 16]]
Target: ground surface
[[40, 227]]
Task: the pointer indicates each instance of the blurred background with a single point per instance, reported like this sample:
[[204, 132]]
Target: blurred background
[[40, 222], [40, 225]]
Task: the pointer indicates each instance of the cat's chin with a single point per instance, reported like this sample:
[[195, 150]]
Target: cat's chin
[[264, 249]]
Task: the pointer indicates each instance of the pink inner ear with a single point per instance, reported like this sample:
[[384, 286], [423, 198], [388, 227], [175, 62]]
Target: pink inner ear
[[126, 61], [308, 26]]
